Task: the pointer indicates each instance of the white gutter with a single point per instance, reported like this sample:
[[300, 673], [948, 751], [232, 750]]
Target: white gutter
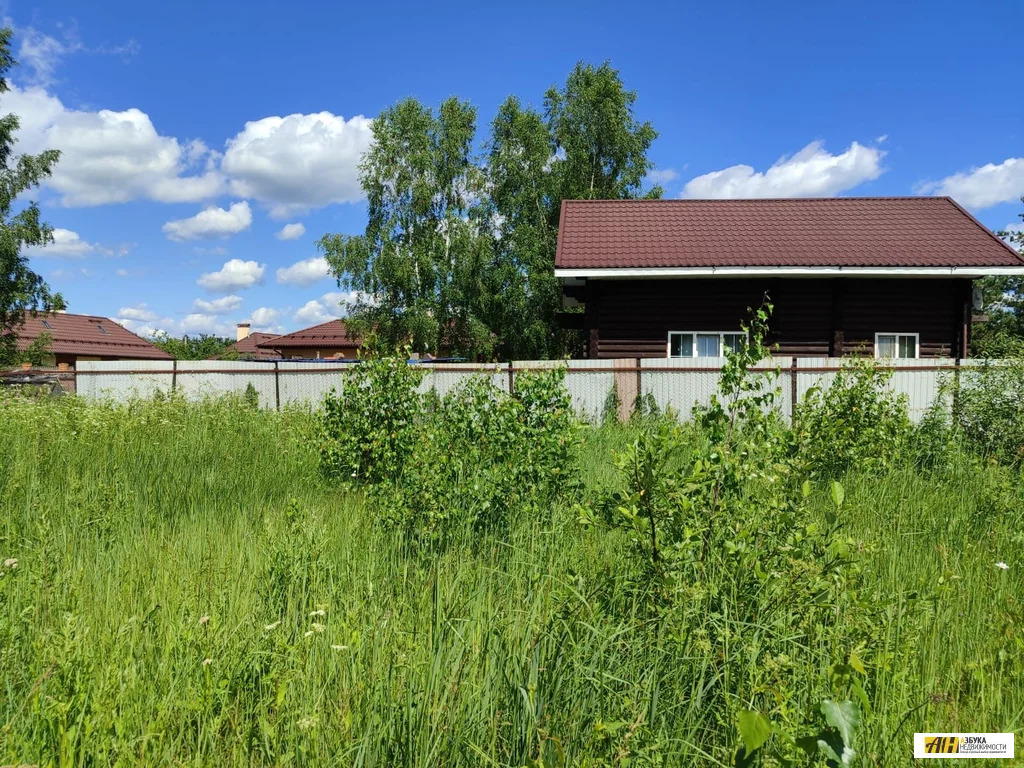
[[661, 272]]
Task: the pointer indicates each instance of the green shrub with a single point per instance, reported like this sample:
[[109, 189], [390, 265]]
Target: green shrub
[[369, 429], [989, 409], [856, 421]]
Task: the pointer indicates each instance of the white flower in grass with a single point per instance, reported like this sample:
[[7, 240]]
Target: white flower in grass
[[11, 562], [1002, 566], [306, 723], [272, 627], [339, 647], [318, 613], [204, 621], [207, 662], [315, 627]]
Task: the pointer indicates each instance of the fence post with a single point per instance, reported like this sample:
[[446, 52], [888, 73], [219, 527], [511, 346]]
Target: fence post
[[511, 379], [639, 390], [277, 387], [174, 375], [955, 400], [792, 391]]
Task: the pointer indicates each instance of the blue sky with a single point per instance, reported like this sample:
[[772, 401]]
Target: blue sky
[[195, 133]]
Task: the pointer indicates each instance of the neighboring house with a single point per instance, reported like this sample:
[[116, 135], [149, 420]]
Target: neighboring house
[[325, 341], [674, 278], [85, 337], [247, 347]]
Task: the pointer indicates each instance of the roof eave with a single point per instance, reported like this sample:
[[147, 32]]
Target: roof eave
[[628, 273]]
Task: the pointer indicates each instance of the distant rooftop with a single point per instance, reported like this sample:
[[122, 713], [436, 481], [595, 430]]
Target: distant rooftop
[[87, 335]]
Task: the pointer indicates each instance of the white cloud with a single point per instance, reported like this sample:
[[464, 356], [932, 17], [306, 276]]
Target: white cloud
[[291, 231], [298, 162], [304, 272], [663, 175], [121, 272], [109, 156], [811, 172], [138, 313], [220, 306], [315, 311], [42, 53], [210, 223], [66, 244], [234, 275], [265, 318], [982, 187]]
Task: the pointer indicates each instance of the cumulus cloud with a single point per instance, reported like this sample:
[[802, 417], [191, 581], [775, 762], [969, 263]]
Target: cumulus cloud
[[291, 231], [811, 172], [265, 318], [138, 313], [304, 272], [110, 156], [66, 244], [220, 306], [234, 275], [982, 187], [299, 162], [211, 223], [663, 175]]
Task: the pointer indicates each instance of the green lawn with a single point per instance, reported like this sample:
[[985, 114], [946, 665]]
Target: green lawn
[[189, 591]]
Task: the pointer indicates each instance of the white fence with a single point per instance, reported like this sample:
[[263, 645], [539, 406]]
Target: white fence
[[678, 384]]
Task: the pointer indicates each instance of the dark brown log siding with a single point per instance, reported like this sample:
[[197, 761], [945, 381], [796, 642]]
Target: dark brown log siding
[[812, 317]]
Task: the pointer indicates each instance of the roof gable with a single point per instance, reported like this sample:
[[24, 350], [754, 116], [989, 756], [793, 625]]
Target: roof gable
[[904, 232]]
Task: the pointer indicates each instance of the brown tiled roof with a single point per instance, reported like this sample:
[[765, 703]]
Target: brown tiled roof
[[88, 335], [829, 232], [330, 334], [249, 348]]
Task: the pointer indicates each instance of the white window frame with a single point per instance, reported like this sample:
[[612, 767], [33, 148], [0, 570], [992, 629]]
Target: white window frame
[[897, 334], [721, 341]]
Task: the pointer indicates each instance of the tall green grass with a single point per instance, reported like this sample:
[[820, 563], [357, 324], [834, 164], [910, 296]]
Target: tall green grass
[[189, 591]]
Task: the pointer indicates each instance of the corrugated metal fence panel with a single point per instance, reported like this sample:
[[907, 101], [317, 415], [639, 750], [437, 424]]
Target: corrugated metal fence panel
[[199, 379], [588, 382], [692, 384], [99, 380], [919, 380], [305, 383], [922, 387], [446, 377]]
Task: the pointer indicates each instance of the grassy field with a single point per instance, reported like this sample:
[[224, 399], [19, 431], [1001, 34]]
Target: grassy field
[[182, 587]]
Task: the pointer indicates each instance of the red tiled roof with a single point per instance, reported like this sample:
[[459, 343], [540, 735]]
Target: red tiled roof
[[88, 335], [330, 334], [249, 347], [829, 232]]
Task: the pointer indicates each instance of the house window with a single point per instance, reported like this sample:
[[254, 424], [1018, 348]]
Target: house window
[[704, 343], [897, 345]]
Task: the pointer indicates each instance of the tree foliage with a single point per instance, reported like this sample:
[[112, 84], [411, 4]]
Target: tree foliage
[[21, 289], [458, 254], [1002, 335], [200, 347]]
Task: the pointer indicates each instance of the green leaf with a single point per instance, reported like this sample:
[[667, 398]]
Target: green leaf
[[806, 488], [838, 494], [754, 730], [844, 717]]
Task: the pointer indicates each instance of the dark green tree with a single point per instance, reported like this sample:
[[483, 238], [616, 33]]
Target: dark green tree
[[458, 256], [1002, 334], [587, 144], [21, 289], [420, 267]]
